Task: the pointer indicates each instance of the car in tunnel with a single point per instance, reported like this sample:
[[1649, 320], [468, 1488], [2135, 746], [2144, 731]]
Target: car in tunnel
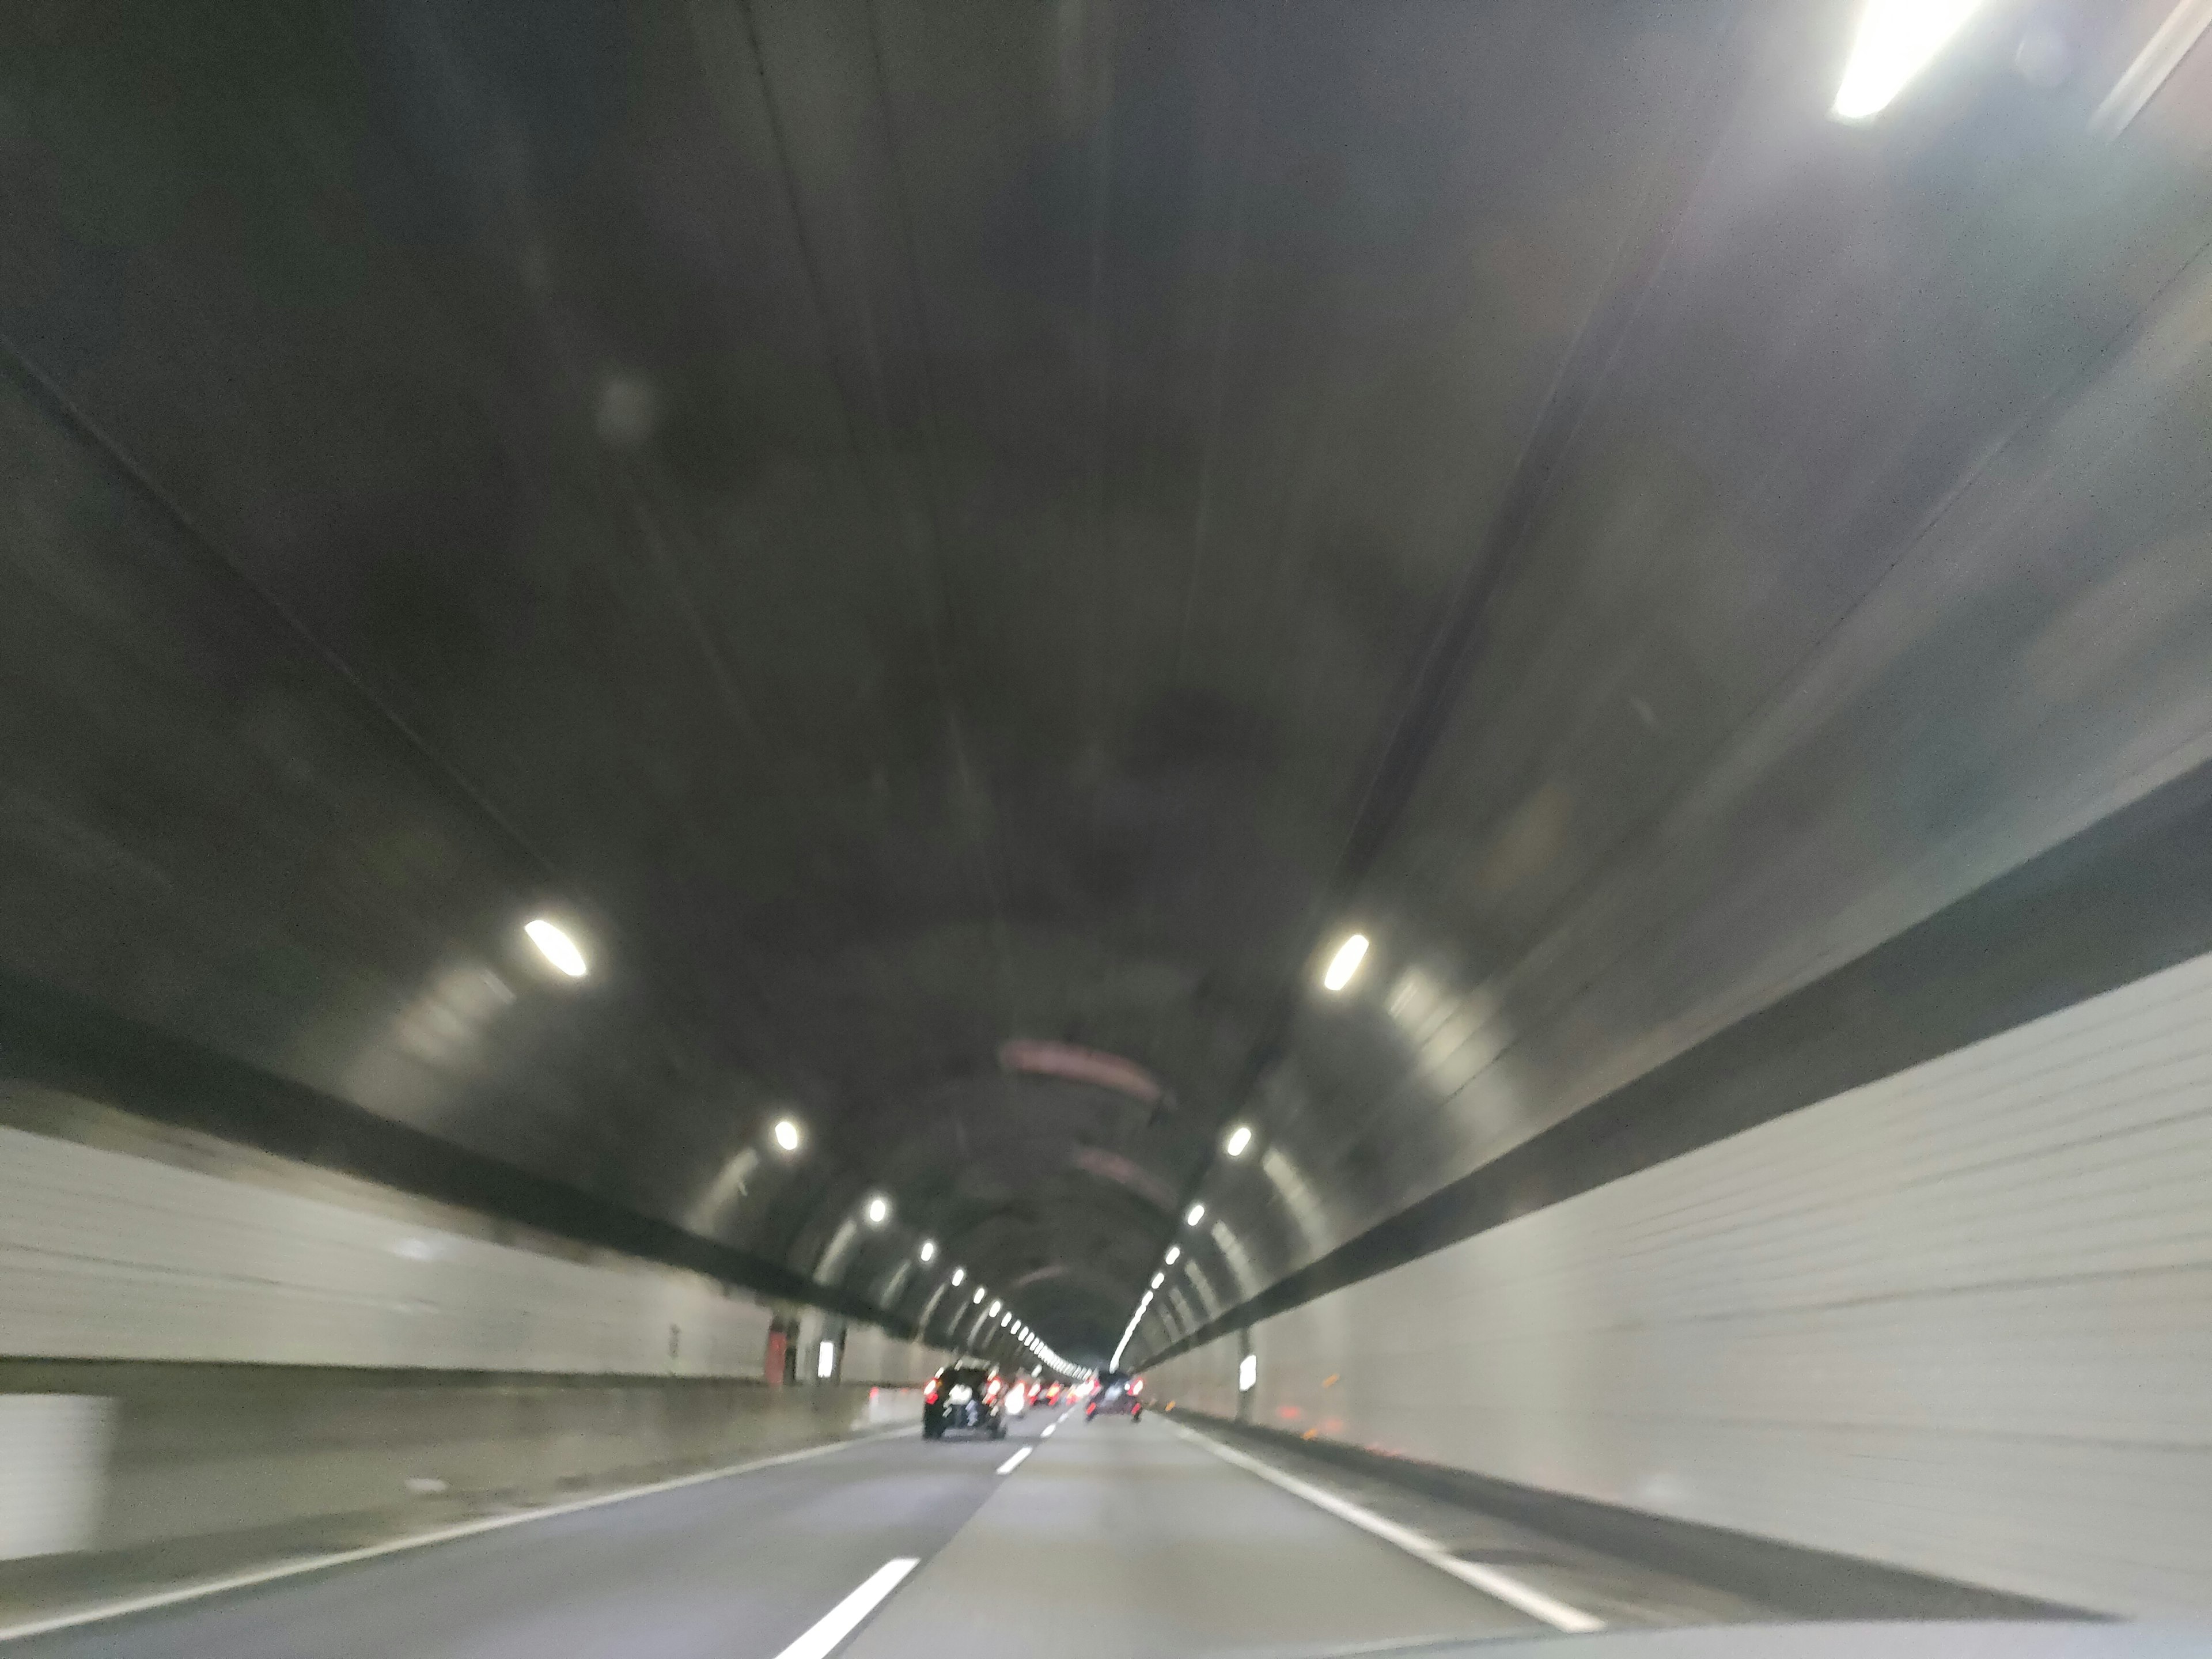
[[1119, 1394], [964, 1397]]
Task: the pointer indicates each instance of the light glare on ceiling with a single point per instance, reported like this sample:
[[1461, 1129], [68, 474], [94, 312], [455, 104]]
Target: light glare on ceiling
[[1193, 1215], [1345, 963], [786, 1134], [558, 947], [1239, 1139], [1895, 40]]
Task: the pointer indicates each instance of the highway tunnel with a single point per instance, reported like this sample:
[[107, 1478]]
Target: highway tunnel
[[1478, 731]]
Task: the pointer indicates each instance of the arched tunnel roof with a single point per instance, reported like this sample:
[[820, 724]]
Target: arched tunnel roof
[[908, 529]]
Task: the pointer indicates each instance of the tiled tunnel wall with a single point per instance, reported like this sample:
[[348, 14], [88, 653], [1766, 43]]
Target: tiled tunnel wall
[[1954, 1320], [186, 1358], [107, 1255]]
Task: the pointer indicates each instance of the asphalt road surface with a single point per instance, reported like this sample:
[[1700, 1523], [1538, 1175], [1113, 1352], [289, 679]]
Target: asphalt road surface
[[1109, 1538]]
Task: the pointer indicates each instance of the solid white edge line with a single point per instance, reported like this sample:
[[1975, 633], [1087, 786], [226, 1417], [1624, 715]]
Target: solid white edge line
[[841, 1621], [1015, 1461], [1488, 1580], [158, 1599]]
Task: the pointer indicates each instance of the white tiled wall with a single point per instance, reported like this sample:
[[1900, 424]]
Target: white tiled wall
[[106, 1256], [1959, 1320], [875, 1356]]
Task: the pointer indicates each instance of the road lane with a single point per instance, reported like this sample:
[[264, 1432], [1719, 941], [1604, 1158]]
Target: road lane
[[1115, 1539], [736, 1569]]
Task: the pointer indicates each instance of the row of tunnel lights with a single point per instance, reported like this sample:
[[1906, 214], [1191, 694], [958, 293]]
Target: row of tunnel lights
[[1343, 964], [1895, 40], [562, 951], [559, 948]]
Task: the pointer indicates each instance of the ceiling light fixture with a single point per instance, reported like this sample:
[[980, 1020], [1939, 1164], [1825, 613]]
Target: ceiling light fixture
[[1193, 1215], [786, 1134], [979, 1293], [1239, 1139], [928, 1251], [1895, 40], [879, 1209], [960, 1277], [1158, 1279], [1175, 1254], [1345, 964], [558, 947]]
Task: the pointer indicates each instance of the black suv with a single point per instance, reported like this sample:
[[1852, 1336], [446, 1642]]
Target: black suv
[[1118, 1391], [964, 1397]]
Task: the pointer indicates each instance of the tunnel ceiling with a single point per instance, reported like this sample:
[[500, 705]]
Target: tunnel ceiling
[[910, 527]]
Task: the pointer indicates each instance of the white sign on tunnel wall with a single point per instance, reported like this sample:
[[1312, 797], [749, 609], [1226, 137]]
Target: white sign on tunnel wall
[[53, 1458]]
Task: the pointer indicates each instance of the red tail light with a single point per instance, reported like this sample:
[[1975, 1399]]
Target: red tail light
[[992, 1392], [929, 1393], [1137, 1387]]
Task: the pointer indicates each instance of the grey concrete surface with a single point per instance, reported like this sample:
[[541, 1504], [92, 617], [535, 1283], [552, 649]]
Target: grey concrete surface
[[1627, 1566], [731, 1569], [215, 1467], [1117, 1540], [1617, 1588], [1110, 1539]]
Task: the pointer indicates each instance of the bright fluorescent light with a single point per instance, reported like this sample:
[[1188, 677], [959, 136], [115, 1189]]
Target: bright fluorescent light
[[979, 1293], [825, 1360], [959, 1276], [1239, 1139], [1248, 1373], [1193, 1215], [879, 1209], [928, 1251], [993, 1309], [1158, 1279], [558, 948], [786, 1134], [1345, 963], [1175, 1254], [1896, 40]]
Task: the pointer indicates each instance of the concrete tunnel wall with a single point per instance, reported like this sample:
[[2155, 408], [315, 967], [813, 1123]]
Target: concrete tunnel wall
[[1953, 1321], [185, 1357]]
